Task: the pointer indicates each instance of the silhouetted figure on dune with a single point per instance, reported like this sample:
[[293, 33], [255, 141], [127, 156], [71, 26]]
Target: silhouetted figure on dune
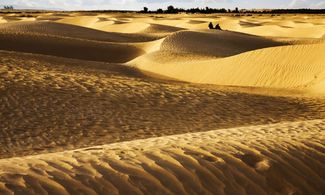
[[218, 27], [210, 25]]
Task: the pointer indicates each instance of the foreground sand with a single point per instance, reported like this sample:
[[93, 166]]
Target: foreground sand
[[125, 103], [266, 159]]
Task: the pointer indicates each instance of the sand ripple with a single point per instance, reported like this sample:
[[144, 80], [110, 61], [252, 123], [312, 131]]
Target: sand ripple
[[52, 104], [267, 159], [78, 115]]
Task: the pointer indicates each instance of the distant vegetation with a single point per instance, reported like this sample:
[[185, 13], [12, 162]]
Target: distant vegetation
[[172, 10], [10, 7], [296, 11], [207, 10]]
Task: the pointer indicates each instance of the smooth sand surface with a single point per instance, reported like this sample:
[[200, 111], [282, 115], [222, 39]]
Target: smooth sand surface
[[69, 47], [297, 66], [72, 31], [125, 103], [215, 43]]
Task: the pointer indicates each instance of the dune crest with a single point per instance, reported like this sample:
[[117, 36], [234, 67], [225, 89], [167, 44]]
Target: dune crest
[[73, 48], [214, 43], [112, 25], [73, 31]]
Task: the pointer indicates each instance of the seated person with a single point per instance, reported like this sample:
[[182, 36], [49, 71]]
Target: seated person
[[218, 27], [210, 25]]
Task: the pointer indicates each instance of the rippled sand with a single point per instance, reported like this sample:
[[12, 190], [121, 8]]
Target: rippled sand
[[140, 104]]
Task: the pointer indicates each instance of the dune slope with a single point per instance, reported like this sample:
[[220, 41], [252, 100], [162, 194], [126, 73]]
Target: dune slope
[[267, 159], [50, 104], [297, 66], [73, 31], [158, 28], [214, 43], [68, 47], [119, 25]]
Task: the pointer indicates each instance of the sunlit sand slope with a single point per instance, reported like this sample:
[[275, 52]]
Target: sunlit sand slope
[[298, 66], [285, 158], [158, 28], [2, 20], [214, 43], [66, 30], [293, 26], [50, 104], [276, 31], [109, 24]]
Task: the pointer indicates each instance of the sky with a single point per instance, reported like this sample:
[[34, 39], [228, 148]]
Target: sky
[[155, 4]]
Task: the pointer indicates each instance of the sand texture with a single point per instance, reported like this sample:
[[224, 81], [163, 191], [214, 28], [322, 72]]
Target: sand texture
[[125, 103], [247, 160]]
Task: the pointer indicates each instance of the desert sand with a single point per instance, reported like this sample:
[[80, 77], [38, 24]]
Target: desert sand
[[125, 103]]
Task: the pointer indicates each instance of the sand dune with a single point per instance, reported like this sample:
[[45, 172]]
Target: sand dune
[[157, 28], [268, 159], [151, 46], [121, 26], [124, 103], [283, 31], [214, 43], [73, 31], [296, 66], [279, 26], [2, 20], [318, 85], [11, 18], [84, 21], [124, 27], [68, 47], [47, 17], [67, 104]]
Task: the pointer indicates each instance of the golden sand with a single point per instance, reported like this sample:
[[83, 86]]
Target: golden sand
[[157, 104]]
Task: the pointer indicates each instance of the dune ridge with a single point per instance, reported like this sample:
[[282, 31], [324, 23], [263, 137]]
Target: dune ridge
[[246, 160], [159, 28], [214, 43], [277, 26], [283, 31], [297, 66], [73, 31], [117, 25], [73, 48]]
